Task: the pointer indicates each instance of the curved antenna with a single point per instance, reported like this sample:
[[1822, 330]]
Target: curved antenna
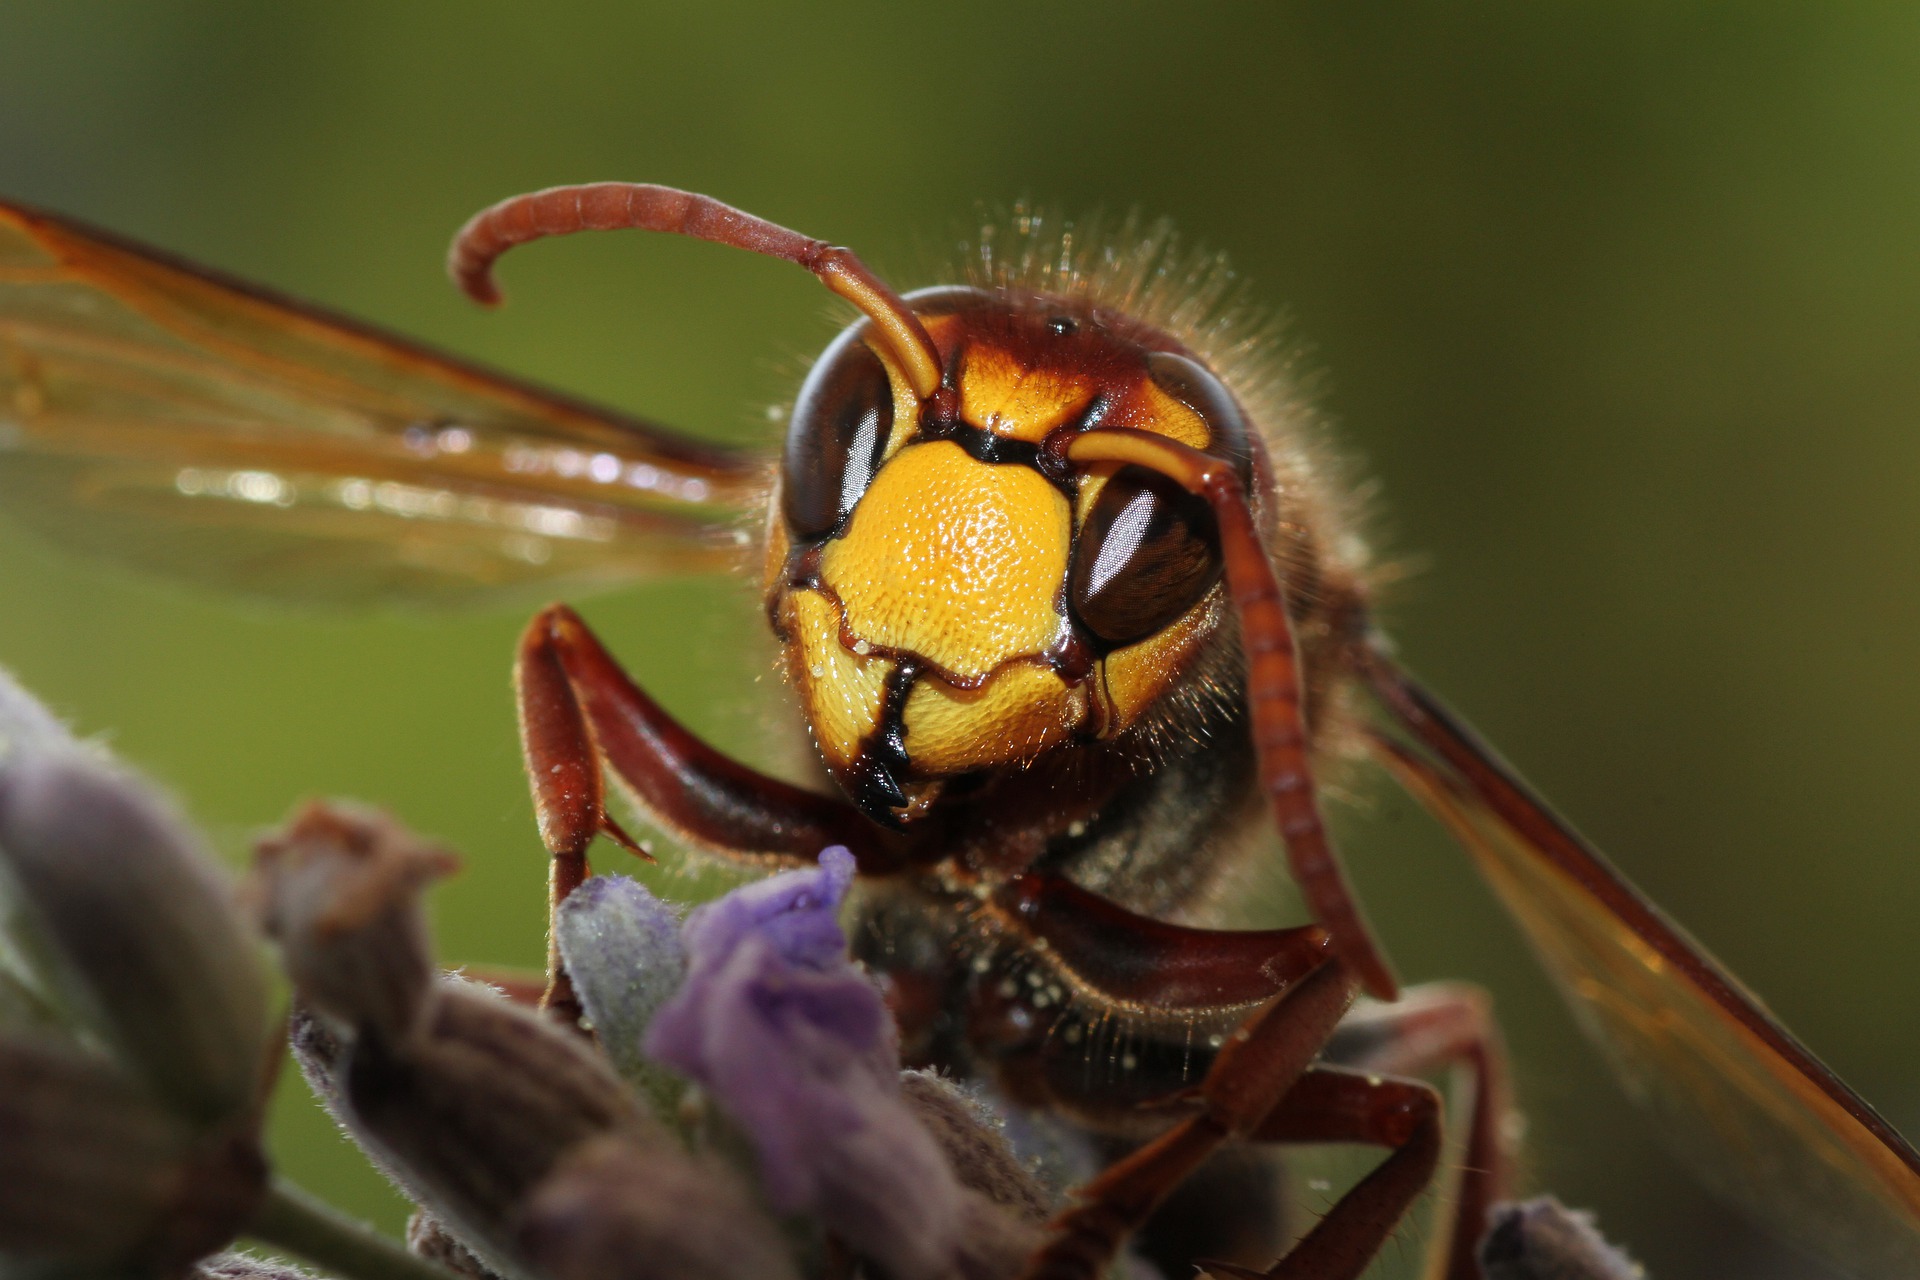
[[640, 206]]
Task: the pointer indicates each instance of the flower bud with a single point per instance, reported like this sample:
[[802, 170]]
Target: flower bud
[[133, 931], [27, 727], [99, 1175], [621, 947], [1003, 1206], [428, 1237], [236, 1265], [613, 1210], [1544, 1240], [970, 1135], [339, 890], [473, 1111]]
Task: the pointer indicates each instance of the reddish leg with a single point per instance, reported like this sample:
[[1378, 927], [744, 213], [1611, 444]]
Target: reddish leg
[[1140, 960], [1261, 1086], [1258, 1066], [1433, 1026], [1441, 1025], [1334, 1104], [578, 710], [1078, 966]]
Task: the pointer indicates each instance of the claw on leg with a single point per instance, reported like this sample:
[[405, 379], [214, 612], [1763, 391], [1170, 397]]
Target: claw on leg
[[580, 714]]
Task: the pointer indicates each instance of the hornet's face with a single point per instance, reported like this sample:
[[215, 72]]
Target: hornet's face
[[953, 594]]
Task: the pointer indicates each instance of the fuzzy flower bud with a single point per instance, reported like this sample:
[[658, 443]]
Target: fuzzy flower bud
[[621, 946], [472, 1112], [133, 1021], [27, 727], [1544, 1240], [98, 1176], [339, 889], [463, 1099], [428, 1237], [246, 1266], [613, 1210], [133, 932], [970, 1135]]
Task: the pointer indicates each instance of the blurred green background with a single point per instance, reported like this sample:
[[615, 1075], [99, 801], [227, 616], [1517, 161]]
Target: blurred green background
[[1620, 303]]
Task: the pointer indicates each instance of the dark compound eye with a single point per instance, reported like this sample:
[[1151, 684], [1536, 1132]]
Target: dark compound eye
[[836, 438], [1145, 555]]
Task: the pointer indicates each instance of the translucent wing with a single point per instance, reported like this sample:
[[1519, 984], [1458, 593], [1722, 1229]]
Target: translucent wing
[[1753, 1113], [161, 415]]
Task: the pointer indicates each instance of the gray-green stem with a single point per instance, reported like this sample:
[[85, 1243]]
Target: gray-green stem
[[292, 1221]]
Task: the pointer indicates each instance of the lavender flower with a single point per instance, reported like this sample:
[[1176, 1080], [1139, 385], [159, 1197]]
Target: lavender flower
[[613, 1211], [621, 946], [797, 1046], [134, 1033], [339, 889], [464, 1100]]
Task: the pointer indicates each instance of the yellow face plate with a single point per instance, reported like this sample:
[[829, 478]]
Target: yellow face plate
[[953, 560], [844, 692], [1020, 712], [949, 574]]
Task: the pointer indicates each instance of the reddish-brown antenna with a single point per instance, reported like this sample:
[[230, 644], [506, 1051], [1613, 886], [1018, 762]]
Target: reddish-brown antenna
[[621, 206], [1273, 683]]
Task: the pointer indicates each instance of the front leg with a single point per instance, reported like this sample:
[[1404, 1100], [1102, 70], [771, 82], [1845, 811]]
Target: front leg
[[1109, 1017], [1446, 1025], [1334, 1104], [1274, 1079], [580, 711], [1261, 1063]]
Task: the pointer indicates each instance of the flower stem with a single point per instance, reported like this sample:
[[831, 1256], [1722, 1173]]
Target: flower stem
[[290, 1219]]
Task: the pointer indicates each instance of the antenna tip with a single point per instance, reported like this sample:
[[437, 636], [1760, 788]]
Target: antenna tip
[[475, 279]]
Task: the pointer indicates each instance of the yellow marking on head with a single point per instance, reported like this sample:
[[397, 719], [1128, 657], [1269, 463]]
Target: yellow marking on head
[[1147, 409], [1000, 394], [906, 405], [779, 542], [957, 561], [1024, 709], [843, 692], [1138, 674], [1161, 413]]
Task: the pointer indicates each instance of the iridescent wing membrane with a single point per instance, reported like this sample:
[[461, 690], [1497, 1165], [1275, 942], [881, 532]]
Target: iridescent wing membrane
[[187, 424], [1751, 1111]]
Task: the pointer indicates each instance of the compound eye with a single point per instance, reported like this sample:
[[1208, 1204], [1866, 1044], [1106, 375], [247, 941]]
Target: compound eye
[[1147, 553], [839, 431], [1193, 385]]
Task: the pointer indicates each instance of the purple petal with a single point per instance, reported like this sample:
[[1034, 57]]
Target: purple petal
[[795, 911], [796, 1044]]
